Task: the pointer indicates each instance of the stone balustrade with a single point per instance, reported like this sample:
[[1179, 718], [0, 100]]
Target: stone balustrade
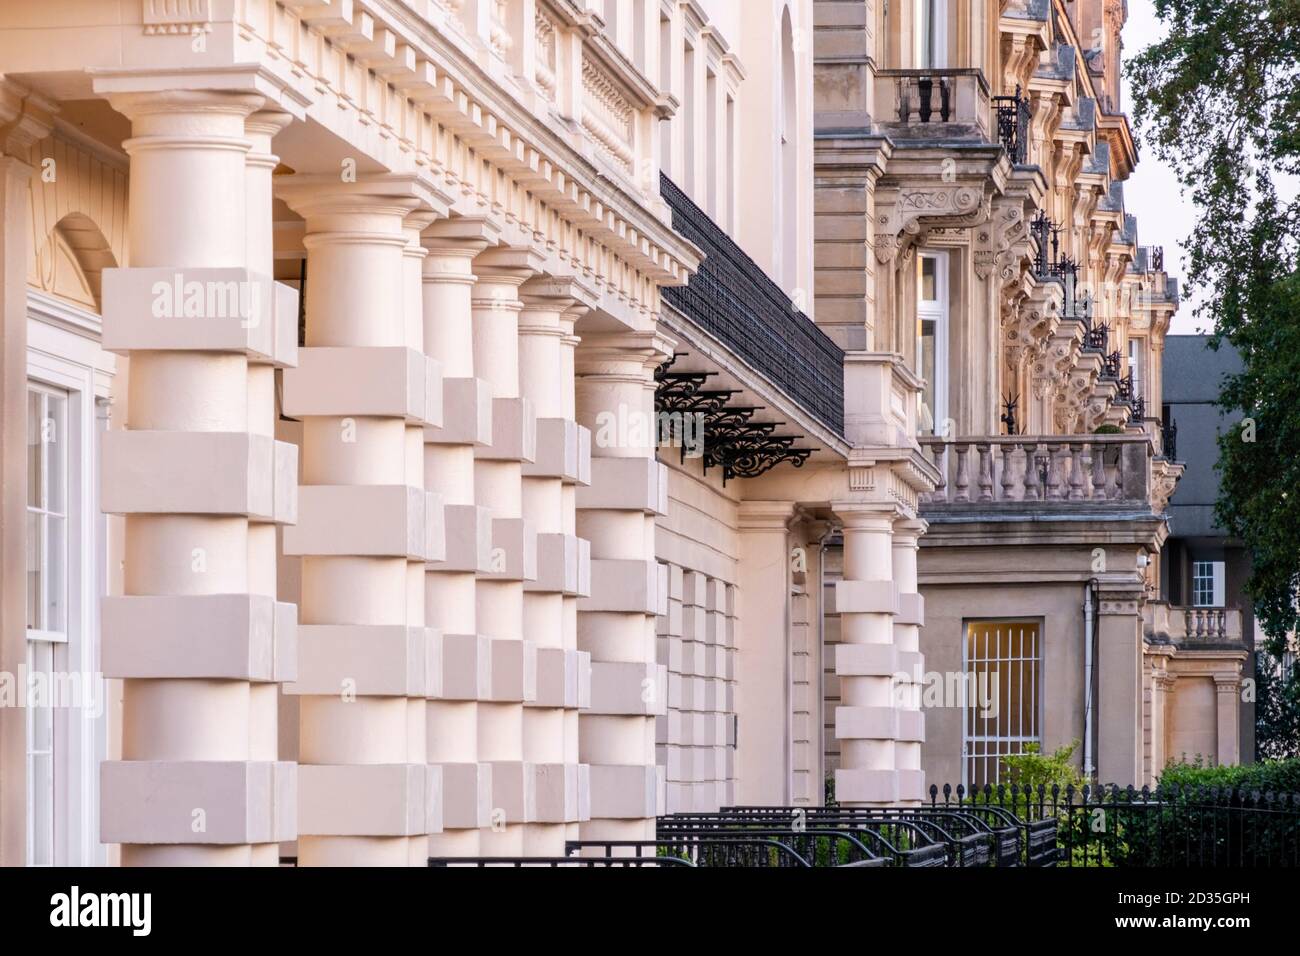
[[935, 102], [1024, 469], [1192, 625]]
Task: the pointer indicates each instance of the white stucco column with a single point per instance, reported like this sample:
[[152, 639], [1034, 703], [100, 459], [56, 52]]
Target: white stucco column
[[452, 719], [616, 624], [197, 634], [763, 763], [499, 593], [365, 528], [563, 459], [909, 678], [866, 660]]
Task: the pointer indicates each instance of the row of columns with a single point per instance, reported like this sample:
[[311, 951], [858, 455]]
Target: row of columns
[[197, 635], [468, 572]]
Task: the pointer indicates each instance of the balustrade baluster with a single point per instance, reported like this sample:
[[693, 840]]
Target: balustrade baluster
[[1032, 489], [962, 481], [1053, 477], [1076, 471], [1099, 471], [986, 472], [1008, 469], [940, 452]]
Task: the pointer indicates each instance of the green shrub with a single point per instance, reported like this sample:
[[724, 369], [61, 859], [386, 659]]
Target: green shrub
[[1108, 430], [1280, 776]]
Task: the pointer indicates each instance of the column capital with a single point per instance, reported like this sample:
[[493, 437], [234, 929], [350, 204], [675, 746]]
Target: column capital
[[1227, 683], [508, 263], [324, 197], [568, 290], [865, 515], [612, 352], [911, 528], [765, 515], [267, 121], [153, 107]]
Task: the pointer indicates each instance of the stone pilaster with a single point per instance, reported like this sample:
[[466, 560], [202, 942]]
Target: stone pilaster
[[1119, 691], [763, 686], [1227, 698], [25, 118], [616, 624], [198, 477], [365, 528]]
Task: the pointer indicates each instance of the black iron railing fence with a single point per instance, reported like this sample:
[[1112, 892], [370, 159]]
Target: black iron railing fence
[[1185, 827], [993, 826], [732, 299]]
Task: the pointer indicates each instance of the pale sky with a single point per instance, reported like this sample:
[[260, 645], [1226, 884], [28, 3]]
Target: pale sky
[[1152, 193]]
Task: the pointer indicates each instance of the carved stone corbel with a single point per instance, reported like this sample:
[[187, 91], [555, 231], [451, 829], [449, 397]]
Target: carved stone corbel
[[903, 219]]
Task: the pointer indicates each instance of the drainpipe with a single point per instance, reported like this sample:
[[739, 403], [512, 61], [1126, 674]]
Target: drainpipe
[[1089, 591]]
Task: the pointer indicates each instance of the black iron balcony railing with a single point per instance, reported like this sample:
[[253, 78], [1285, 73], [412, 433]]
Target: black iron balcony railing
[[1013, 125], [733, 300], [1110, 369], [1139, 405], [1125, 393], [1169, 439], [1097, 338]]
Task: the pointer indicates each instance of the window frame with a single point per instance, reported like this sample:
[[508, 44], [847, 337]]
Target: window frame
[[934, 55], [64, 355], [938, 311], [1037, 683], [1217, 583]]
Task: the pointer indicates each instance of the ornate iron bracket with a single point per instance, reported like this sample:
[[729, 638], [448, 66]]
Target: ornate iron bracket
[[731, 439]]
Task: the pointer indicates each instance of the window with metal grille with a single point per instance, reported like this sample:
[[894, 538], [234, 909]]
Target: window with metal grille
[[1001, 705]]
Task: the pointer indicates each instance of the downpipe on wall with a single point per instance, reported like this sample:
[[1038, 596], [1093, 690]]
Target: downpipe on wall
[[1089, 656]]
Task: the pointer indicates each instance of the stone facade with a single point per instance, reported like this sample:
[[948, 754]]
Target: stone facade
[[459, 427]]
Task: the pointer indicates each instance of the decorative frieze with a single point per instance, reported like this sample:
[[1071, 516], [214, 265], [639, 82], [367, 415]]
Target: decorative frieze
[[170, 17]]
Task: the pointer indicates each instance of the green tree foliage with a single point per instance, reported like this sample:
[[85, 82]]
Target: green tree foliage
[[1219, 100]]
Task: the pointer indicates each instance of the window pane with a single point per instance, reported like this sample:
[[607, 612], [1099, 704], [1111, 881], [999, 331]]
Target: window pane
[[54, 432], [40, 759], [929, 279], [56, 578], [34, 470], [35, 563], [925, 360]]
